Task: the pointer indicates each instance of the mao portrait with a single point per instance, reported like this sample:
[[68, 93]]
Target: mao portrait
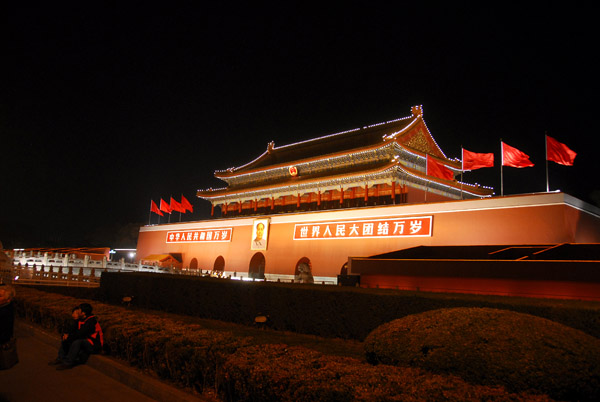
[[260, 234]]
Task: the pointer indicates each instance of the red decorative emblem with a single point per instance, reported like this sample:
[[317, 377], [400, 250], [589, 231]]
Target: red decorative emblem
[[293, 170]]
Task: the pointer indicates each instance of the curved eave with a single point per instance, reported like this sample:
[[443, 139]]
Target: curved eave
[[465, 187], [456, 166], [362, 176], [248, 168]]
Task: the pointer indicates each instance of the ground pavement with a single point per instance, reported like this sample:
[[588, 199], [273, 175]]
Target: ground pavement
[[101, 379]]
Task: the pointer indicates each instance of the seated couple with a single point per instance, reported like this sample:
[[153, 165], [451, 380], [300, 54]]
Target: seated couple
[[81, 337]]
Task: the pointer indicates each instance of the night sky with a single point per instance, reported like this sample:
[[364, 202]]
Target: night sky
[[106, 107]]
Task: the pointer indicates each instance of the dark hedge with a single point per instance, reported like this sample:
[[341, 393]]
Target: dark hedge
[[328, 311], [279, 373], [195, 357], [486, 346]]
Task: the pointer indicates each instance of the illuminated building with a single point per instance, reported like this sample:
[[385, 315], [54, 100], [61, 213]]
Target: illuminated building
[[379, 164], [299, 211]]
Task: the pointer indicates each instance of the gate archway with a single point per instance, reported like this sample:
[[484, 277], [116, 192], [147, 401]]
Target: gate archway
[[303, 271], [219, 264], [256, 269]]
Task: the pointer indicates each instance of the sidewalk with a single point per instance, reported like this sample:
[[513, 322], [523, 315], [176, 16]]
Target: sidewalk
[[101, 379]]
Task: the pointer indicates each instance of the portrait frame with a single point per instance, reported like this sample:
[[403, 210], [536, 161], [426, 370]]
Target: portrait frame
[[263, 232]]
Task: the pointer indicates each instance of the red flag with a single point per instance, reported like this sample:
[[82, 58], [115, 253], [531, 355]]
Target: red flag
[[559, 153], [175, 206], [473, 160], [438, 170], [513, 157], [186, 205], [154, 208], [164, 206]]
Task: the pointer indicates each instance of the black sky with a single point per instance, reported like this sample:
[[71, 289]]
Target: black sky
[[105, 107]]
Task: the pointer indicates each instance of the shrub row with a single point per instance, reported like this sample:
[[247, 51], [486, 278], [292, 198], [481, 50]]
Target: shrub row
[[281, 373], [494, 347], [327, 311], [192, 356], [186, 354]]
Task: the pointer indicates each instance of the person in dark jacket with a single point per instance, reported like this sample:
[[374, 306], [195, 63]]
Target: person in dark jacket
[[67, 331], [8, 347], [86, 340], [7, 313]]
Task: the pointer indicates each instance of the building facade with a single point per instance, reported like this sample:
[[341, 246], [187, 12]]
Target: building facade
[[299, 211]]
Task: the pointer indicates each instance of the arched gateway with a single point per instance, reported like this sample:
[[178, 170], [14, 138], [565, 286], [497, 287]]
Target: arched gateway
[[257, 266], [303, 271]]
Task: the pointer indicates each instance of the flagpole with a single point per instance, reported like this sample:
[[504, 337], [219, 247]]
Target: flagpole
[[546, 148], [180, 208], [150, 214], [427, 182], [462, 169], [501, 171]]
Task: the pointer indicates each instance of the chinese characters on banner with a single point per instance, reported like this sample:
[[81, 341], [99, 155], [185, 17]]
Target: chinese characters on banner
[[397, 227], [200, 236]]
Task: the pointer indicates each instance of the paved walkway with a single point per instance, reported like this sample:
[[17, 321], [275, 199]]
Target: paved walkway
[[102, 379]]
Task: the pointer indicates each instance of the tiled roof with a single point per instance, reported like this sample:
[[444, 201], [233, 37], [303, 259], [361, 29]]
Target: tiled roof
[[329, 144]]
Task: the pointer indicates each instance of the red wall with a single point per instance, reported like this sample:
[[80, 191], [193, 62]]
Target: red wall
[[549, 218]]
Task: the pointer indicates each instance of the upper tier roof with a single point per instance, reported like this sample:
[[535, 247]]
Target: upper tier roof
[[400, 129]]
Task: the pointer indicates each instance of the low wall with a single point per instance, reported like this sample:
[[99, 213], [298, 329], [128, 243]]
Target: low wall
[[330, 311], [528, 278]]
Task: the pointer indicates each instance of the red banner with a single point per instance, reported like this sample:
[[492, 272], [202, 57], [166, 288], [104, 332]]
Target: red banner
[[364, 229], [200, 236], [559, 152], [513, 157], [438, 170], [164, 206], [186, 205], [175, 206], [154, 208], [474, 160]]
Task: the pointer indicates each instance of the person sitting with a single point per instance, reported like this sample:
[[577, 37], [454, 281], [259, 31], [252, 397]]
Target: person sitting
[[67, 331], [8, 345], [87, 340]]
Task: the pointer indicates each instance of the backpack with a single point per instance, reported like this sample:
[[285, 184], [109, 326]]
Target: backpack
[[97, 338], [99, 334]]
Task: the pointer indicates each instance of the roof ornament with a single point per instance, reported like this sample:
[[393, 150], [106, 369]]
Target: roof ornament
[[270, 147], [417, 110], [391, 136]]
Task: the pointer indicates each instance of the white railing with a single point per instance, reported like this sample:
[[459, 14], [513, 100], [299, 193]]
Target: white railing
[[52, 276]]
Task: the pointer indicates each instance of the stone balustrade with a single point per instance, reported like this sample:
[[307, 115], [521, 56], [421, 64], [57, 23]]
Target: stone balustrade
[[55, 276]]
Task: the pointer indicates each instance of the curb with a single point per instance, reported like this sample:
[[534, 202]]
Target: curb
[[129, 376]]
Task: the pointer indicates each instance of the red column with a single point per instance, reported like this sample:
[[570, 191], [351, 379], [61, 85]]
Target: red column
[[240, 207], [225, 208], [255, 204], [366, 193], [341, 195], [319, 198], [298, 201], [212, 209], [272, 203], [394, 191]]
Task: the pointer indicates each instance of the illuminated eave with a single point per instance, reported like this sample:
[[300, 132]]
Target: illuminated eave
[[231, 172], [340, 159], [382, 174]]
